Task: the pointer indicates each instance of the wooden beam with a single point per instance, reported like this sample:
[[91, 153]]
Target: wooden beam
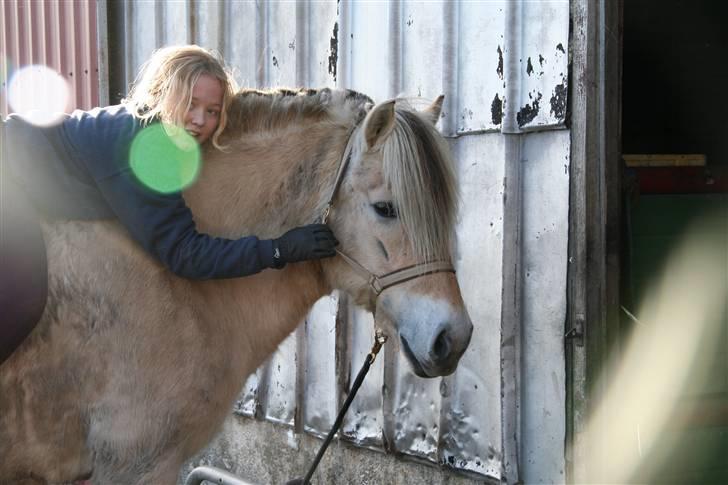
[[664, 160]]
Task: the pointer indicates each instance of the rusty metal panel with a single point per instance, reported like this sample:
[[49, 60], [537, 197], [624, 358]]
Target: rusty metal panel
[[59, 35]]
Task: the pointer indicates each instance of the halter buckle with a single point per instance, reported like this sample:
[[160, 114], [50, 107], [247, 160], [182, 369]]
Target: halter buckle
[[376, 284]]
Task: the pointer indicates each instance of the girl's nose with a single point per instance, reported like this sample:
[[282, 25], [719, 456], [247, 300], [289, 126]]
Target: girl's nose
[[197, 117]]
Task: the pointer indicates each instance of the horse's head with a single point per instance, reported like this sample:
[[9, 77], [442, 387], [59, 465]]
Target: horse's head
[[396, 209]]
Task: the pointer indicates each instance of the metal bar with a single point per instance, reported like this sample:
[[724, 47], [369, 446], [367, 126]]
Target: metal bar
[[214, 475], [395, 48], [511, 317], [451, 21], [102, 53]]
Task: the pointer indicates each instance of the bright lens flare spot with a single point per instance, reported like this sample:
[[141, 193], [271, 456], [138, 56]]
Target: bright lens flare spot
[[38, 93], [669, 350], [165, 158]]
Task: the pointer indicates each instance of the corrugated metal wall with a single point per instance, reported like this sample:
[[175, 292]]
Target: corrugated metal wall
[[59, 34], [503, 67]]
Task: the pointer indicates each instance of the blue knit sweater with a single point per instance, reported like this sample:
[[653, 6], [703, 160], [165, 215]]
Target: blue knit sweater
[[79, 169]]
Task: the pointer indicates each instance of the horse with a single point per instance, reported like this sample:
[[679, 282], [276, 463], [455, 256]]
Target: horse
[[132, 370]]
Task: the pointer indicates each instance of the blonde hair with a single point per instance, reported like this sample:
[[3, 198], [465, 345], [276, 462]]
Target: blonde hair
[[163, 88]]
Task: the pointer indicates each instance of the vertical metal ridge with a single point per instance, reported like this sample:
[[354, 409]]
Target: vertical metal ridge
[[261, 43], [301, 75], [194, 34], [511, 317], [54, 27], [303, 44], [23, 33], [3, 61], [450, 71], [68, 43], [389, 394], [301, 372], [261, 404], [160, 34], [343, 346], [83, 69], [225, 47], [395, 47], [102, 53], [37, 13], [512, 72], [450, 66], [128, 41], [222, 30], [344, 60]]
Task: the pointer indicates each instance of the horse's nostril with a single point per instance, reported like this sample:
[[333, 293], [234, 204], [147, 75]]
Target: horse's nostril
[[441, 349]]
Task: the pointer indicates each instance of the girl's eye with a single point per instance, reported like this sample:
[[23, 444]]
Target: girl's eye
[[213, 112], [385, 209]]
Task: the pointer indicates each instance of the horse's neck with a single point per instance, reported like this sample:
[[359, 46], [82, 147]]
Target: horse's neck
[[263, 185], [253, 315], [266, 183]]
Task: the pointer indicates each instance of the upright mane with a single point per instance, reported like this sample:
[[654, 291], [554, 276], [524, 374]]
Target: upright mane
[[255, 110]]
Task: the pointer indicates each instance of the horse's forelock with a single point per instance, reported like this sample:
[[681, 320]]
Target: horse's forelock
[[419, 169]]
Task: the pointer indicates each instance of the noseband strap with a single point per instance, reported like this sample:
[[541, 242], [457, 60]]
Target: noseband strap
[[380, 283]]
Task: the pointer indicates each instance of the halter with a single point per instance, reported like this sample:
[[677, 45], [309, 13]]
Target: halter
[[379, 283]]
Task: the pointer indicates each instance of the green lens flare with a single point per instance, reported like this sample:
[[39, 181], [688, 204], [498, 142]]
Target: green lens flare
[[165, 158]]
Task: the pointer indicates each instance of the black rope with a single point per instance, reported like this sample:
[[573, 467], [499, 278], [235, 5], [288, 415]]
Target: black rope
[[340, 418]]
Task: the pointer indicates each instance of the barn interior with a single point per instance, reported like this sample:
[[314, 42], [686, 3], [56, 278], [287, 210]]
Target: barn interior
[[675, 174]]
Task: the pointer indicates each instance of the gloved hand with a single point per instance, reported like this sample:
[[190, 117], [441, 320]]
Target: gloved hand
[[314, 241]]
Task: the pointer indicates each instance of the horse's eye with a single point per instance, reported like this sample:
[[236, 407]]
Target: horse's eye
[[385, 209]]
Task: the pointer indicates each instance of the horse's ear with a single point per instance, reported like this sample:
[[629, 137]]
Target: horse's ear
[[379, 124], [433, 111]]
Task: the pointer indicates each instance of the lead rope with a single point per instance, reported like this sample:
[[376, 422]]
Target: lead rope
[[379, 339]]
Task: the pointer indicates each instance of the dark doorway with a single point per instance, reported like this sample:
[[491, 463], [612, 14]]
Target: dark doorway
[[675, 126]]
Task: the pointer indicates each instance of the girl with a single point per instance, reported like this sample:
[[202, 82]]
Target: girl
[[80, 169]]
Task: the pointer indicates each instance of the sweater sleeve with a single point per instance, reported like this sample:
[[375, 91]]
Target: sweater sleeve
[[163, 225], [99, 141]]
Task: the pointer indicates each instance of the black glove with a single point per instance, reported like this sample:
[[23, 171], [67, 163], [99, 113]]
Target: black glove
[[314, 241]]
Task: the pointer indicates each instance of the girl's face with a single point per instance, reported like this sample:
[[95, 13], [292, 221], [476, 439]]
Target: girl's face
[[203, 115]]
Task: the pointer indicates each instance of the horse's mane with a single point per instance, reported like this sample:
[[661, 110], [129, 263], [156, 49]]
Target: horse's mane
[[255, 110], [417, 167]]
